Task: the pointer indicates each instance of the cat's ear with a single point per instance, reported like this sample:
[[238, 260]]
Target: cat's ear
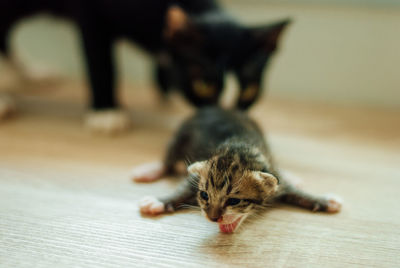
[[268, 36], [269, 181], [177, 21], [197, 167], [180, 30]]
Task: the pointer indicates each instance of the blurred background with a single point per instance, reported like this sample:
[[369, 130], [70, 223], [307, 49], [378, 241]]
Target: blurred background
[[336, 51]]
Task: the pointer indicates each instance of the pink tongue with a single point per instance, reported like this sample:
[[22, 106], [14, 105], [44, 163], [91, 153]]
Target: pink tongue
[[229, 228]]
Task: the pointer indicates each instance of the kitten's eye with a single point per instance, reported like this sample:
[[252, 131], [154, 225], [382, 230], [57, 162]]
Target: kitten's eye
[[204, 195], [232, 201]]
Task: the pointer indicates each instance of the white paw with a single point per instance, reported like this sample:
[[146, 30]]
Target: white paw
[[151, 205], [148, 172], [7, 106], [334, 203], [107, 121]]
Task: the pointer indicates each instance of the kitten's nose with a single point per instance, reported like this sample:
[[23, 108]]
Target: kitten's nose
[[214, 219], [214, 214]]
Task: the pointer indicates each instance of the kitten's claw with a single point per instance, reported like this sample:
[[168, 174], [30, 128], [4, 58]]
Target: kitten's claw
[[107, 121], [7, 106], [334, 203], [151, 206], [148, 172]]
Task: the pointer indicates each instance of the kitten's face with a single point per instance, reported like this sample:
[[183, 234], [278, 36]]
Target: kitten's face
[[229, 193]]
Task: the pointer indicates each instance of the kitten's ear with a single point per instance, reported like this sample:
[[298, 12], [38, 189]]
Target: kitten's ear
[[269, 181], [197, 167], [268, 36]]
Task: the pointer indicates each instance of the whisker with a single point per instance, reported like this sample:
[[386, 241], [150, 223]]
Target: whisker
[[189, 207], [187, 161], [193, 181]]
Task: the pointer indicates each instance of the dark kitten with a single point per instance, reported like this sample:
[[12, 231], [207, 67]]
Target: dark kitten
[[232, 174], [194, 40]]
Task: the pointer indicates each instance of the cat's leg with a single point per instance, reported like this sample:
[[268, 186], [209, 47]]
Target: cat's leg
[[295, 196], [7, 100], [105, 116], [4, 45], [183, 197], [162, 77]]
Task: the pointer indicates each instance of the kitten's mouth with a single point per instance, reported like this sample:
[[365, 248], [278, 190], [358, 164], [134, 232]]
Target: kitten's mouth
[[229, 227]]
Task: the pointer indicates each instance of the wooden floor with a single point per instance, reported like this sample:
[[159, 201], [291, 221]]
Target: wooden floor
[[66, 199]]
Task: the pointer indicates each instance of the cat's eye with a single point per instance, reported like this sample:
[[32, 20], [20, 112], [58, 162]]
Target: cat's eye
[[232, 201], [204, 195]]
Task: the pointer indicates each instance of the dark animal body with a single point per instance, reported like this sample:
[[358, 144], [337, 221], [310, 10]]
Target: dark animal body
[[231, 172], [194, 57], [214, 131]]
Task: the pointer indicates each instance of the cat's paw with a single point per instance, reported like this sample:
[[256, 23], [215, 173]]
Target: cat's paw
[[7, 106], [333, 203], [151, 206], [109, 121], [148, 172]]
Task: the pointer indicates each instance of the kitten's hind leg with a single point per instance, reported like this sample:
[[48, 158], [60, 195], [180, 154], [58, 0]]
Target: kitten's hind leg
[[156, 170], [297, 197], [148, 172], [172, 164], [184, 196]]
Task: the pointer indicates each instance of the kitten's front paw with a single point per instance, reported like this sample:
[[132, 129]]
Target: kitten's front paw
[[334, 203], [151, 206], [7, 106], [109, 122]]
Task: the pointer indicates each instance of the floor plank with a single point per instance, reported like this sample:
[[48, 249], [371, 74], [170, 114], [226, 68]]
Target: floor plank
[[66, 198]]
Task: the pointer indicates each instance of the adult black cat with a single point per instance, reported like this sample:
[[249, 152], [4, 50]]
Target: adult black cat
[[194, 41]]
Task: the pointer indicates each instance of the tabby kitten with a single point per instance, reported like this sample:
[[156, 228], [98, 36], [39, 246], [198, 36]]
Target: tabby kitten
[[232, 174]]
